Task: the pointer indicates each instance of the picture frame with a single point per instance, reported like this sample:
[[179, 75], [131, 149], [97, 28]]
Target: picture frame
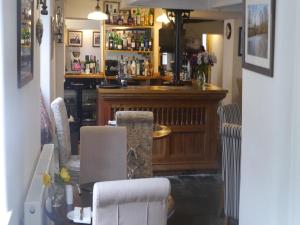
[[75, 38], [25, 41], [259, 35], [111, 6], [241, 42], [96, 39]]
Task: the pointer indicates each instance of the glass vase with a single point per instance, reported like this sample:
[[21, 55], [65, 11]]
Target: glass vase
[[200, 78]]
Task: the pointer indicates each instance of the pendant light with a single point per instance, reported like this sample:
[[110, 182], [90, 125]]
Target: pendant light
[[163, 18], [97, 14]]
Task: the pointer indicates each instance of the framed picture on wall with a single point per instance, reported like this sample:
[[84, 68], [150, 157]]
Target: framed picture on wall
[[113, 7], [259, 36], [96, 39], [75, 38], [25, 43], [241, 42]]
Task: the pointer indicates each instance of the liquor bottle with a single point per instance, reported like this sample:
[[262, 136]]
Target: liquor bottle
[[150, 44], [120, 20], [142, 46], [125, 68], [87, 64], [115, 16], [108, 15], [97, 66], [129, 47], [138, 68], [130, 19], [134, 17], [151, 17], [125, 18], [120, 43], [124, 39], [138, 17], [129, 68], [146, 44], [133, 44], [146, 18], [111, 41], [142, 16], [133, 67]]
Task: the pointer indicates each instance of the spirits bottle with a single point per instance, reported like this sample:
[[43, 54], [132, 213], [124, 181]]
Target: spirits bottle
[[138, 17], [151, 17], [142, 45], [120, 20], [108, 15], [138, 68], [130, 19], [134, 17], [133, 44], [133, 67], [115, 16], [110, 41], [142, 17], [124, 39], [129, 47], [150, 44], [146, 19]]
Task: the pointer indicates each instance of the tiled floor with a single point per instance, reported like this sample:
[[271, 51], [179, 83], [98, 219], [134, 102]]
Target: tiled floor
[[197, 199]]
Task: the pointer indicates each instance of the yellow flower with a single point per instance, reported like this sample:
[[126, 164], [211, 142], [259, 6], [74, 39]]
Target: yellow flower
[[47, 179], [64, 174]]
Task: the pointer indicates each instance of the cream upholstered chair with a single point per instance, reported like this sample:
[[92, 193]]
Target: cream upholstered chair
[[103, 154], [139, 126], [131, 202], [230, 130], [66, 159]]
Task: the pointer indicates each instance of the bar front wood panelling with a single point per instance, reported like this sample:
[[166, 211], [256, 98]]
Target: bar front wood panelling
[[191, 113]]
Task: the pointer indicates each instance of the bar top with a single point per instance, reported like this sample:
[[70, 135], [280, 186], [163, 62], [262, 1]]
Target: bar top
[[164, 90]]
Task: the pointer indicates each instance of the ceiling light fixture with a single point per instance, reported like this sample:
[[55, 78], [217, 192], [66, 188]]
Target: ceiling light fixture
[[97, 14], [163, 18]]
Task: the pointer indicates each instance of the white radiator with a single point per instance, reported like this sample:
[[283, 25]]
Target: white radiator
[[34, 213]]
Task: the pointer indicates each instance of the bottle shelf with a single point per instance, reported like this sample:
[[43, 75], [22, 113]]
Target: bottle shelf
[[130, 51], [115, 26]]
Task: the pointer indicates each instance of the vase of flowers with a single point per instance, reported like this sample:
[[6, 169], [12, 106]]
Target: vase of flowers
[[59, 187], [205, 61]]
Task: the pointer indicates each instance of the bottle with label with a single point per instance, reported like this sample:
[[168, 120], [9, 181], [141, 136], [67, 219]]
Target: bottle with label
[[142, 23], [133, 44], [138, 68], [124, 39], [129, 47], [146, 44], [108, 15], [129, 68], [133, 67], [110, 41], [115, 16], [146, 19], [130, 19], [142, 45], [138, 17], [151, 17], [134, 17], [150, 44]]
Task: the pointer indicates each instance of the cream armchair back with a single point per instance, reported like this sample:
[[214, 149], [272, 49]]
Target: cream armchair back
[[131, 202], [72, 162], [231, 133]]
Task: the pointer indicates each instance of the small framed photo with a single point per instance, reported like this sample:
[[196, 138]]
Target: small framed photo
[[113, 7], [259, 36], [75, 38], [96, 39]]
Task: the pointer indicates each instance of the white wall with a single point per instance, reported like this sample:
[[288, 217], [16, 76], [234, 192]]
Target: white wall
[[232, 63], [268, 191], [216, 43], [21, 116]]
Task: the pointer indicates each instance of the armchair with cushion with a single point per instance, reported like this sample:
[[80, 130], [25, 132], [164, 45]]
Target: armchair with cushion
[[230, 130], [131, 202]]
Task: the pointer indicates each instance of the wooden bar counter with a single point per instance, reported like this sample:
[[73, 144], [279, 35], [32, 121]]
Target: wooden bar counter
[[190, 112]]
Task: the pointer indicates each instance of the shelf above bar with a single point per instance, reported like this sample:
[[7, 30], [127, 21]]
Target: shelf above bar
[[130, 51]]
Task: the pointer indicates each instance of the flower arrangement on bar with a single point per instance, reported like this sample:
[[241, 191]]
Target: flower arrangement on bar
[[57, 186], [205, 61]]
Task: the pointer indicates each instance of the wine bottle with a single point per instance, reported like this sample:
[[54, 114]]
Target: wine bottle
[[142, 46], [108, 15]]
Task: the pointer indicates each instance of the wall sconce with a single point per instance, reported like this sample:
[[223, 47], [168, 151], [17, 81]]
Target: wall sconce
[[59, 25], [44, 10]]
